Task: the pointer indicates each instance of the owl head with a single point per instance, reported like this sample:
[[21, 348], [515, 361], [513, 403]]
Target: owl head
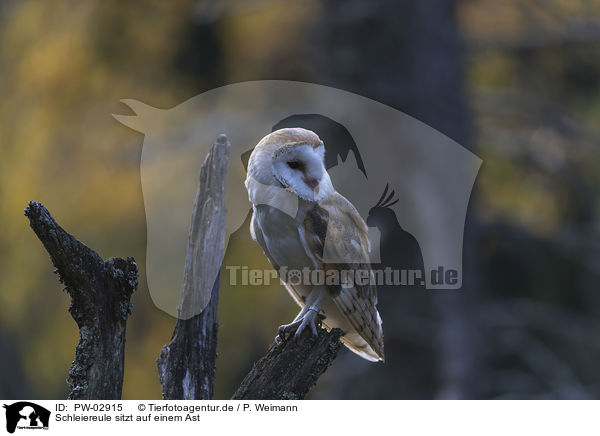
[[293, 159]]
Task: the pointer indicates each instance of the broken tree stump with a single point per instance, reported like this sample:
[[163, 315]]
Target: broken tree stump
[[186, 365], [100, 294]]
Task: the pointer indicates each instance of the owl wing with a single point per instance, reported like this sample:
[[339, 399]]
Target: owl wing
[[337, 237], [257, 235]]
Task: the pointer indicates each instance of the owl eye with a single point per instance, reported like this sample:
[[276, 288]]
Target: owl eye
[[294, 164]]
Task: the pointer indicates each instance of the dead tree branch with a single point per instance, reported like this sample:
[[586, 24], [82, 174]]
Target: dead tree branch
[[186, 366], [100, 304], [289, 370]]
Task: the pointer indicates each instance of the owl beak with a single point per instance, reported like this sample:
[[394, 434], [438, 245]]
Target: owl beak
[[312, 184]]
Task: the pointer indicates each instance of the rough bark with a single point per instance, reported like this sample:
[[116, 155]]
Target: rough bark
[[186, 366], [290, 369], [100, 304]]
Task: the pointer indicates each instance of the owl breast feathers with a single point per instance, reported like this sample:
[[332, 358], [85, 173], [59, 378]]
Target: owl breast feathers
[[322, 231]]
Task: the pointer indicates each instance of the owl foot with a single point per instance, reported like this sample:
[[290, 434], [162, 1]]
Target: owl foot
[[286, 330], [310, 319]]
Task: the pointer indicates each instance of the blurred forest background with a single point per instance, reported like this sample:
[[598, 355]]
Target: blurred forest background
[[515, 81]]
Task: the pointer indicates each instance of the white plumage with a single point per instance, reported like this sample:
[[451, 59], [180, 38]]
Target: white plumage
[[300, 221]]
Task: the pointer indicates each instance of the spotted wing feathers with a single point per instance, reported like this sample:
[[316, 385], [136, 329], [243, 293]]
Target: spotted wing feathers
[[338, 237]]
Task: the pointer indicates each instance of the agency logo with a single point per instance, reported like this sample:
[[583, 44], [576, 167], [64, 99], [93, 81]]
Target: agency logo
[[26, 416], [410, 183]]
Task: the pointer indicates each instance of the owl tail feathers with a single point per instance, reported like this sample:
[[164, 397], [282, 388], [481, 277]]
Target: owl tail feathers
[[365, 338], [358, 345]]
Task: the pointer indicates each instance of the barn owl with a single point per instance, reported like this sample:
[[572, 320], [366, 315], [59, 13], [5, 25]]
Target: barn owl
[[300, 221]]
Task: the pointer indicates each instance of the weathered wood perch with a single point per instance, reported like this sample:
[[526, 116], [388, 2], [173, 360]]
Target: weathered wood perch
[[186, 366], [290, 369], [100, 304]]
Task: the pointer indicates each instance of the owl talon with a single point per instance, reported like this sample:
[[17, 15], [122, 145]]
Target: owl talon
[[312, 319], [287, 329]]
